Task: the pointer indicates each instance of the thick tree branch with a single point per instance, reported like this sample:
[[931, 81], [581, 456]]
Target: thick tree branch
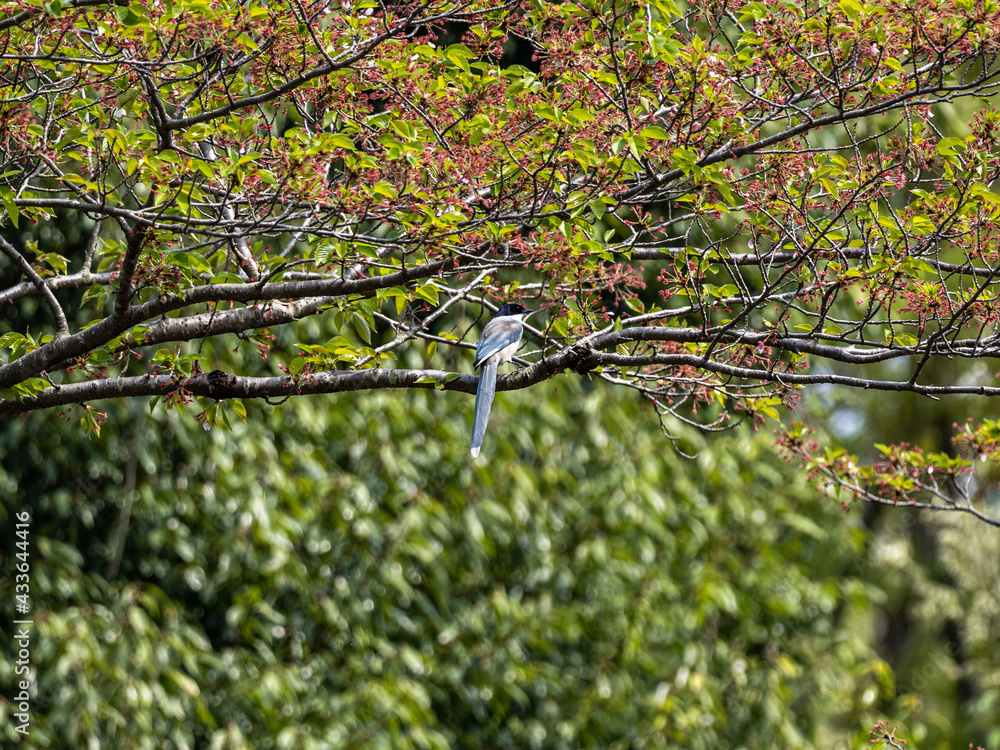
[[126, 271], [75, 345], [224, 385], [73, 281], [220, 322]]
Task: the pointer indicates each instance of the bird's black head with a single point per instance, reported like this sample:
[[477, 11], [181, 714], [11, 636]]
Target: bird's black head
[[512, 308]]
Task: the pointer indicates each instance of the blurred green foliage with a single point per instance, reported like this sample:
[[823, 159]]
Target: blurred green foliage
[[338, 573], [938, 623]]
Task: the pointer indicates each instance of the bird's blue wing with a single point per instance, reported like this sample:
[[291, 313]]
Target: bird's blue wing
[[498, 333]]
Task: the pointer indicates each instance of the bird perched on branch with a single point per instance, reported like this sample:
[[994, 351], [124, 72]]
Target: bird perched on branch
[[497, 345]]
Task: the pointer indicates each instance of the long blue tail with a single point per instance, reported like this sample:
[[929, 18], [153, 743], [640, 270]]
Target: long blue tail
[[484, 400]]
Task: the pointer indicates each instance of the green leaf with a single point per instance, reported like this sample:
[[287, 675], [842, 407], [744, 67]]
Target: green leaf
[[342, 141], [852, 9], [91, 421], [7, 196], [428, 292], [404, 129], [598, 207], [117, 142], [950, 146], [239, 408], [362, 327], [655, 133], [459, 55], [247, 41], [128, 16], [96, 291], [204, 167]]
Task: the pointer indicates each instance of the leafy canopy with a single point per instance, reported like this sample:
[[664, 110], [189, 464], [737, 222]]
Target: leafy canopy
[[716, 204]]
